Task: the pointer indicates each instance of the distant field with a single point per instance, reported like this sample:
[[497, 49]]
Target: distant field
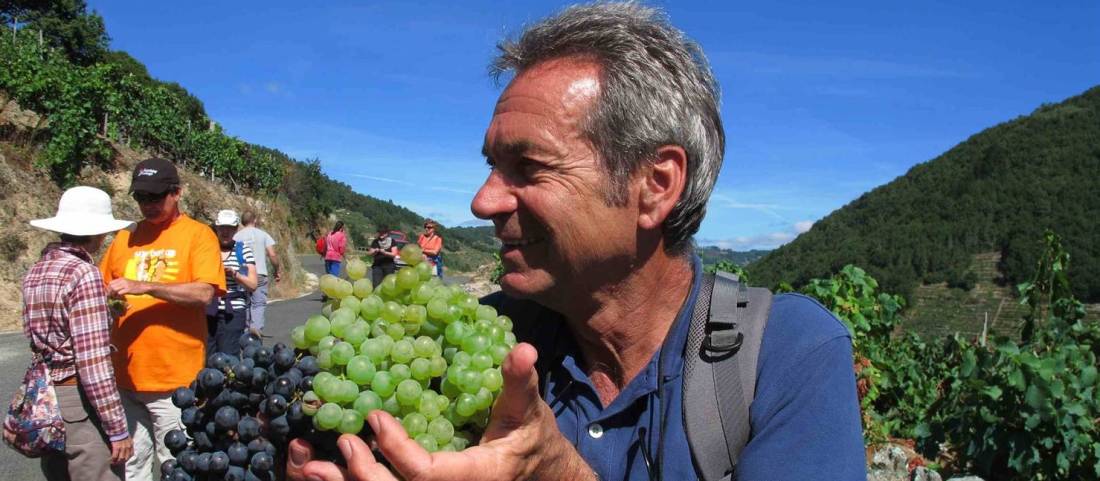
[[939, 310]]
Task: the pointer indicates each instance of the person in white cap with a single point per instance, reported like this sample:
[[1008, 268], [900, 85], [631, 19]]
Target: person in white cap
[[67, 319], [227, 316]]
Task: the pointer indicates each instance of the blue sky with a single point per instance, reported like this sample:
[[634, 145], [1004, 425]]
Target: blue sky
[[822, 101]]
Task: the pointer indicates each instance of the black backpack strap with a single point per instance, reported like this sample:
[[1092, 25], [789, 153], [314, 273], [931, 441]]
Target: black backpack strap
[[720, 372]]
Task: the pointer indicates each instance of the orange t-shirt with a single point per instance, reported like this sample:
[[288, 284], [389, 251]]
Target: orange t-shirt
[[431, 244], [161, 346]]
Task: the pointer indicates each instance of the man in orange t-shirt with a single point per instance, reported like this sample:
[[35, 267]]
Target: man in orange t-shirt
[[167, 268]]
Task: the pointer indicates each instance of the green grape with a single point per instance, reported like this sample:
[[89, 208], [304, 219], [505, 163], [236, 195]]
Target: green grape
[[481, 361], [492, 379], [351, 303], [371, 307], [481, 326], [437, 309], [360, 370], [374, 349], [487, 313], [323, 377], [437, 366], [298, 337], [423, 293], [351, 422], [449, 353], [469, 305], [317, 327], [415, 424], [427, 404], [495, 334], [356, 333], [356, 269], [484, 398], [328, 417], [391, 406], [425, 271], [441, 430], [504, 322], [341, 319], [402, 351], [392, 312], [411, 329], [466, 405], [454, 313], [461, 359], [430, 329], [461, 440], [421, 369], [456, 332], [469, 381], [475, 343], [366, 402], [324, 359], [342, 352], [446, 448], [423, 346], [441, 403], [416, 314], [498, 353], [400, 372], [407, 278], [378, 328], [327, 308], [362, 288], [448, 387], [328, 284], [426, 440], [408, 392], [395, 331], [509, 339], [343, 289], [387, 344], [310, 402], [411, 254], [389, 286], [348, 391], [326, 343], [383, 384]]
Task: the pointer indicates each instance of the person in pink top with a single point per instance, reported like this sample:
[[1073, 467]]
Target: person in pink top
[[335, 243]]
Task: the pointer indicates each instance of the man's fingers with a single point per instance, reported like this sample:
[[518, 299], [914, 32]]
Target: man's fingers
[[300, 453], [325, 471], [521, 387], [361, 463], [407, 456]]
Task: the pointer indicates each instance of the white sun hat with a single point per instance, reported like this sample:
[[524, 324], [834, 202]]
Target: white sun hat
[[227, 217], [83, 211]]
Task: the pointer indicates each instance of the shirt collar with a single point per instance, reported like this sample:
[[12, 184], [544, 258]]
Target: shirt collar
[[68, 248]]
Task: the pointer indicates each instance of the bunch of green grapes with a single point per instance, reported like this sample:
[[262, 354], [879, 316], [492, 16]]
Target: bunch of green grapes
[[425, 352]]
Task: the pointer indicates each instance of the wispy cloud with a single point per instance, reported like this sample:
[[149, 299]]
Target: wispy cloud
[[721, 200], [769, 240], [411, 184]]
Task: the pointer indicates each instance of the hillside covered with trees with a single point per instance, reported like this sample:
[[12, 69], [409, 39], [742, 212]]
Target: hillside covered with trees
[[58, 63], [997, 191]]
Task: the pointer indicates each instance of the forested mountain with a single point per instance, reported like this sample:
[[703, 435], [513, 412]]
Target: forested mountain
[[996, 191], [715, 254], [57, 62]]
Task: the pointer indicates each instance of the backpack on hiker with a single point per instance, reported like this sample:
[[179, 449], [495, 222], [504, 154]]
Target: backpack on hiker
[[322, 245], [720, 372]]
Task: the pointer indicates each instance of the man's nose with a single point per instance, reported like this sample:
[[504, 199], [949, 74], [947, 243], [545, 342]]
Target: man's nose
[[494, 198]]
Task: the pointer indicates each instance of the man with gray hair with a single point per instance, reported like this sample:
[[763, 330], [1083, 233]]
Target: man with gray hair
[[604, 148]]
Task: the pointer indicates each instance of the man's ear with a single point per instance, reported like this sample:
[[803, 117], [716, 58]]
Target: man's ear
[[662, 182]]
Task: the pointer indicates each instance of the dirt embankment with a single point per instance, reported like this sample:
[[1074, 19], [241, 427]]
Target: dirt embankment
[[27, 193]]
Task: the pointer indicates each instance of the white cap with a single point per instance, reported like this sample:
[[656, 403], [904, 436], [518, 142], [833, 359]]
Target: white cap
[[227, 217], [83, 211]]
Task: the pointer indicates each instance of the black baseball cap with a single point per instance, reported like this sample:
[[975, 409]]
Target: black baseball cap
[[154, 176]]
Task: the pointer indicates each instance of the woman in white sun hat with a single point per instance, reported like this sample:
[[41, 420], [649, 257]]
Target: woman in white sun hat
[[68, 322]]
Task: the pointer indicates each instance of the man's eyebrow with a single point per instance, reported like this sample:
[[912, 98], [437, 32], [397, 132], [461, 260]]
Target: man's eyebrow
[[517, 148]]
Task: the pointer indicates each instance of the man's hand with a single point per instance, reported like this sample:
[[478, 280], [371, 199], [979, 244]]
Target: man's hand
[[121, 450], [522, 441], [123, 287]]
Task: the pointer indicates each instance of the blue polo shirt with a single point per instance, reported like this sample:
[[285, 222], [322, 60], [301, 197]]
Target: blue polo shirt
[[805, 416]]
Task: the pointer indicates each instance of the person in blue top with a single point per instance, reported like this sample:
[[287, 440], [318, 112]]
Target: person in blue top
[[604, 148]]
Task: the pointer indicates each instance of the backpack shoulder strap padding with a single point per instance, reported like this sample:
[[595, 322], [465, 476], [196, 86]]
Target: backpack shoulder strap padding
[[720, 360]]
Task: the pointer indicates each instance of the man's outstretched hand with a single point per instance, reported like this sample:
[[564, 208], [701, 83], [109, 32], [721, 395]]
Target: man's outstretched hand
[[522, 441]]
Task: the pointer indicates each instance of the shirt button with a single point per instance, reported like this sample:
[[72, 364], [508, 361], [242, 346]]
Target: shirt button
[[595, 430]]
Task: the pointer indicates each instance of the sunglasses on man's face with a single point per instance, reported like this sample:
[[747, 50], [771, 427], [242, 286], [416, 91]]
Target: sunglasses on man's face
[[147, 198]]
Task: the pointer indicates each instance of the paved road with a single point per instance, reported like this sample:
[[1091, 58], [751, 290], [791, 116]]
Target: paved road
[[282, 316]]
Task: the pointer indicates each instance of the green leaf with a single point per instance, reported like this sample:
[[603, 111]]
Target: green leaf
[[1016, 379], [993, 392], [1034, 397], [969, 361], [1088, 376]]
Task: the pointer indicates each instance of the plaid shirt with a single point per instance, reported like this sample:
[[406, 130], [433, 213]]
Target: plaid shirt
[[66, 318]]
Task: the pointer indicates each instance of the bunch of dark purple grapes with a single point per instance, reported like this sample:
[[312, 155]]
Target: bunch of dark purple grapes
[[240, 413]]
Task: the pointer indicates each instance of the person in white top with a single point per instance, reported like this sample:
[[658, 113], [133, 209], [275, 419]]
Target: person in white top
[[263, 247]]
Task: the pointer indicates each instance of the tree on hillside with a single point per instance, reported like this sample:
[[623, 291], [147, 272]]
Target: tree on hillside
[[65, 24]]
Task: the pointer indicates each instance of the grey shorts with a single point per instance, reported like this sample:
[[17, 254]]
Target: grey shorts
[[87, 450]]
